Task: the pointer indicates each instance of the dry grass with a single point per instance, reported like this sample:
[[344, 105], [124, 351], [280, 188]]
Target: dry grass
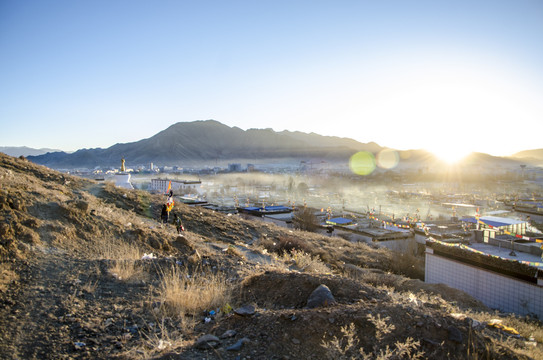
[[183, 294], [348, 345], [375, 278], [485, 342], [407, 264], [159, 338], [306, 262], [232, 250], [90, 286], [115, 249], [527, 327], [125, 260], [284, 244], [345, 347], [128, 270], [530, 330], [6, 276]]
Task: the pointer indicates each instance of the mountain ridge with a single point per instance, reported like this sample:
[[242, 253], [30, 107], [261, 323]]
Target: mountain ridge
[[209, 140], [17, 151], [206, 142], [536, 154]]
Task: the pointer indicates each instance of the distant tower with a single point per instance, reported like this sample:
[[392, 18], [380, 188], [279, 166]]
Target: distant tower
[[123, 169], [523, 166]]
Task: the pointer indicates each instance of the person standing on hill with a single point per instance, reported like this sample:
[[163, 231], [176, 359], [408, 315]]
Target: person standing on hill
[[178, 225], [164, 215]]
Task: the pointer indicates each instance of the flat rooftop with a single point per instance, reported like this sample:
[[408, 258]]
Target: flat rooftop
[[495, 221], [504, 253]]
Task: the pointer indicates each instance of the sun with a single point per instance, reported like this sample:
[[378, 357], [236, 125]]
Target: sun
[[450, 155]]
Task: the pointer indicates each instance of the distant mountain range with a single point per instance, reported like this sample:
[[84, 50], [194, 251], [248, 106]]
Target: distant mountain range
[[24, 151], [211, 142]]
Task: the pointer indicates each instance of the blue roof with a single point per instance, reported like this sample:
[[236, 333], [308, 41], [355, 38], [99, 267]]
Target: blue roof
[[277, 207], [267, 208], [339, 221], [252, 208], [493, 221]]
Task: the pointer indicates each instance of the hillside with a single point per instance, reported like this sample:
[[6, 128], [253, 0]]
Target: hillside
[[534, 155], [78, 281], [210, 141]]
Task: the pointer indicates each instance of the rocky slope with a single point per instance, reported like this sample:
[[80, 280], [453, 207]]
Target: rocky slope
[[78, 281]]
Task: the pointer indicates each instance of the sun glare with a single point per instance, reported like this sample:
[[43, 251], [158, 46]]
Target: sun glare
[[450, 155]]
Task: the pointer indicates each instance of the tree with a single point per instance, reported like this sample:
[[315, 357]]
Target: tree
[[304, 219], [290, 184], [303, 188]]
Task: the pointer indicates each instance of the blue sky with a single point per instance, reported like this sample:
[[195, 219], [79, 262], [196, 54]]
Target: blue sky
[[447, 76]]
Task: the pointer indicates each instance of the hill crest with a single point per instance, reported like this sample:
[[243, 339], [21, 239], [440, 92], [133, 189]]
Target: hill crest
[[211, 141]]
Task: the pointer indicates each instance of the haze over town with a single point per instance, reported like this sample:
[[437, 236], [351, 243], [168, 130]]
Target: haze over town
[[447, 77]]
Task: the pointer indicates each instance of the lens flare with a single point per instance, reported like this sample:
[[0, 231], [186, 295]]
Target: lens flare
[[362, 163], [388, 159]]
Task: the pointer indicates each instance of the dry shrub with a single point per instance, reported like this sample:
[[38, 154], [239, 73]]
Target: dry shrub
[[285, 244], [7, 275], [115, 249], [348, 345], [407, 264], [90, 286], [526, 326], [345, 347], [305, 220], [128, 270], [125, 264], [232, 250], [491, 342], [306, 262], [160, 337], [184, 294], [377, 279]]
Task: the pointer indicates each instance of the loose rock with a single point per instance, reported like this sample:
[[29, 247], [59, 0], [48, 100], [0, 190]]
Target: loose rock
[[321, 296], [207, 341], [238, 345], [228, 334], [455, 335], [246, 310]]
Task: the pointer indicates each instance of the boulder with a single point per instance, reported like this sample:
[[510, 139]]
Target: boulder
[[320, 297]]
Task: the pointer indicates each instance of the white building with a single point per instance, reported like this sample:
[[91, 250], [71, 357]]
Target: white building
[[491, 226], [498, 277], [179, 187]]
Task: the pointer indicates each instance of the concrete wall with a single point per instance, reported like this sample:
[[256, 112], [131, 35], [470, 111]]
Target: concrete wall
[[495, 290]]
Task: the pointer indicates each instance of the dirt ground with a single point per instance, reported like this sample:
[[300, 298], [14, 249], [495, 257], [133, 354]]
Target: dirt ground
[[65, 242]]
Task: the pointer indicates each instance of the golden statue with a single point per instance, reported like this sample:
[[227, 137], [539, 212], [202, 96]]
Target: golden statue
[[123, 169]]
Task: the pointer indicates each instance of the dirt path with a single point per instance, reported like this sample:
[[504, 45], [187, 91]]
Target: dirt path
[[68, 308], [30, 326]]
